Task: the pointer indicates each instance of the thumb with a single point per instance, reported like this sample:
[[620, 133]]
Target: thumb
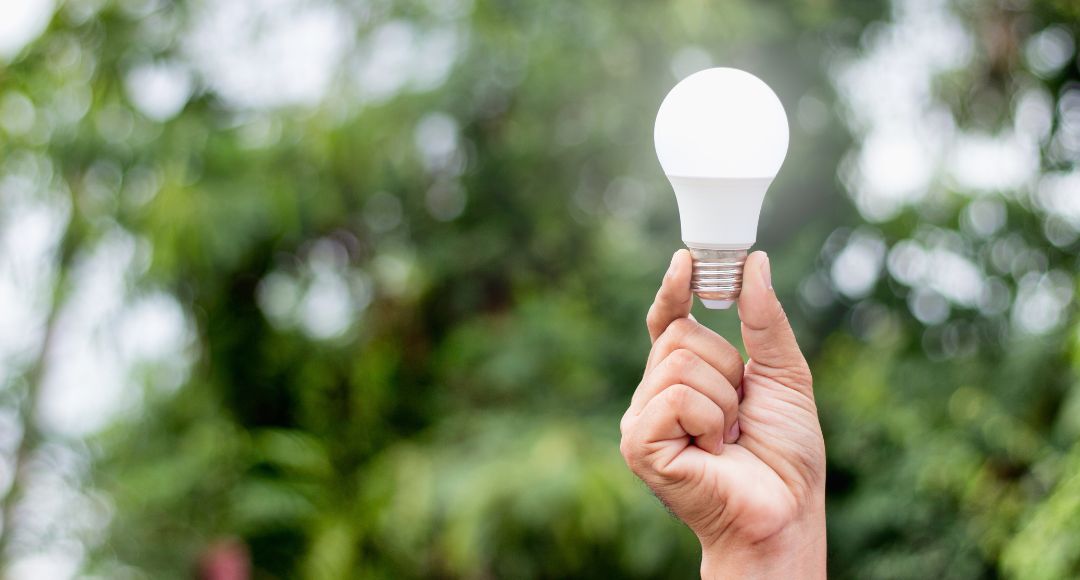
[[770, 342]]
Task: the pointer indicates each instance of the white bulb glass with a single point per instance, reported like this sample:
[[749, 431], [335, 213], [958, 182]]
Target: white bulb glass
[[721, 136]]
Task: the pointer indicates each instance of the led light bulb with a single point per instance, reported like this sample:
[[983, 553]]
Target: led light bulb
[[721, 135]]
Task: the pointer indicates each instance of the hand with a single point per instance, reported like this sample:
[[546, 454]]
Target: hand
[[734, 451]]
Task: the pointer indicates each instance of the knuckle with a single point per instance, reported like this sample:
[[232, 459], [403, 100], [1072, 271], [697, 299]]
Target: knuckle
[[663, 338], [624, 424], [628, 446], [682, 358], [728, 417], [733, 365], [729, 401], [677, 395], [676, 333], [738, 371], [682, 327], [632, 454], [652, 320]]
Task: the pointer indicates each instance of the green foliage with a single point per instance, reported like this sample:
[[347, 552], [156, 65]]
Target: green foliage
[[457, 415]]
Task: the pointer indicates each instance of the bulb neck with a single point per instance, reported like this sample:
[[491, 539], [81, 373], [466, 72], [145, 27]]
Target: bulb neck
[[717, 277]]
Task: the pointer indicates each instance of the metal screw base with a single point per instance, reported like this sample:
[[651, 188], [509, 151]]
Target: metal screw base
[[717, 277]]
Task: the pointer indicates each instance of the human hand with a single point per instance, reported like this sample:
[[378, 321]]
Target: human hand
[[734, 451]]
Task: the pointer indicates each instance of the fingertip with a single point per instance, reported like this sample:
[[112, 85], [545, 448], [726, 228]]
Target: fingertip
[[671, 265], [679, 269], [683, 255], [675, 288], [756, 272], [673, 299], [758, 305], [684, 269], [711, 443], [733, 432]]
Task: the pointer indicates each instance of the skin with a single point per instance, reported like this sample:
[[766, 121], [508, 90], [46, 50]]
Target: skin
[[734, 450]]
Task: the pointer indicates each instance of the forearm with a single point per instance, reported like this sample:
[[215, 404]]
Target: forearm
[[798, 552]]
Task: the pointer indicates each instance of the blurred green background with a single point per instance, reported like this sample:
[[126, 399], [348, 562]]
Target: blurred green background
[[296, 288]]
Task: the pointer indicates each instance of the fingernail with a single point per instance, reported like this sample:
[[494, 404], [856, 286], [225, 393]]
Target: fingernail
[[766, 273], [733, 432], [671, 266]]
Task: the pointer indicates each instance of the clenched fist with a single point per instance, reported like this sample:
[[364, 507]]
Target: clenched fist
[[734, 450]]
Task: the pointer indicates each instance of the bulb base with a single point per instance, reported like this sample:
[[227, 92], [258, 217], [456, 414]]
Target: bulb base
[[717, 277]]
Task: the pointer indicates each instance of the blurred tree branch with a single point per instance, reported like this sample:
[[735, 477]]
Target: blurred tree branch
[[31, 436]]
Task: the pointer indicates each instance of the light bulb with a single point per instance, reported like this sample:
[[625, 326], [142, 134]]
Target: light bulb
[[721, 135]]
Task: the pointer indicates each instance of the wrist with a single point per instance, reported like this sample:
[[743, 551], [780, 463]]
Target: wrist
[[798, 551]]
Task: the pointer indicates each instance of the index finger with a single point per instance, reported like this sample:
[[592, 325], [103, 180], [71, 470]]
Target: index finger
[[673, 300], [714, 349]]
